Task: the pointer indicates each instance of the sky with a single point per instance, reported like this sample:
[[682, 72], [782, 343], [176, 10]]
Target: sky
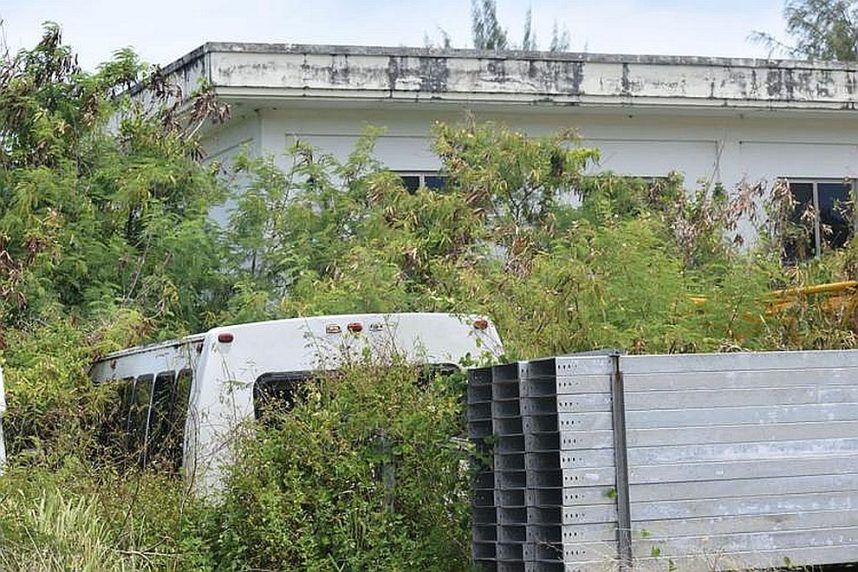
[[161, 31]]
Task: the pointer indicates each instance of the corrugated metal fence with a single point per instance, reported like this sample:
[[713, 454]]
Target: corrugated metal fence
[[680, 462]]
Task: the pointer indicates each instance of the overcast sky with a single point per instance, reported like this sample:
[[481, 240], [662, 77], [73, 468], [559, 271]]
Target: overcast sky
[[163, 30]]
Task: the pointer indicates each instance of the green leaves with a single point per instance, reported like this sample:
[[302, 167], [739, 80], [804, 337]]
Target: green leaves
[[92, 217]]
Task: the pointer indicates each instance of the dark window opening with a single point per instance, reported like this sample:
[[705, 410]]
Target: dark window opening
[[434, 182], [139, 418], [822, 219], [148, 425], [411, 182], [835, 213], [429, 180], [170, 403], [113, 436], [431, 372], [278, 392]]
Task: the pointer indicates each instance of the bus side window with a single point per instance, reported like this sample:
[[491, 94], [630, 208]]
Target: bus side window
[[279, 391], [432, 371], [139, 417], [181, 405], [163, 398], [170, 402], [113, 435]]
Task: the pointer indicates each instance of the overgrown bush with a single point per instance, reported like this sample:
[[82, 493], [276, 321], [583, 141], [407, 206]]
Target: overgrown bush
[[361, 474]]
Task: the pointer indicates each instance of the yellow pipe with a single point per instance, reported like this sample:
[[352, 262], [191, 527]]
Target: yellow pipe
[[817, 289], [779, 295]]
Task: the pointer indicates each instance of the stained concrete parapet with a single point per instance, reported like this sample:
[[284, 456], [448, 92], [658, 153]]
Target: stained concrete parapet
[[289, 71]]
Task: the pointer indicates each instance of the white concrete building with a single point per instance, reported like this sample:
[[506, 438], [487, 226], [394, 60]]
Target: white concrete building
[[711, 119]]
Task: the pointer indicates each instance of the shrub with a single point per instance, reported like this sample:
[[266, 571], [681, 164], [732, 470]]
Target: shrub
[[364, 473]]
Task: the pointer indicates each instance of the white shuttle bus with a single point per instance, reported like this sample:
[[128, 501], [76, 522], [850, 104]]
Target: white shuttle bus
[[183, 400]]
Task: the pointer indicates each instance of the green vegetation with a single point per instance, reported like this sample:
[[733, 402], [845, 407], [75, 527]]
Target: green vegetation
[[487, 32], [105, 242], [818, 29]]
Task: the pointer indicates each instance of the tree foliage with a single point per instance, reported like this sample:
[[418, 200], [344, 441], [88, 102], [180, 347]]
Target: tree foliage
[[487, 32], [820, 29], [94, 216]]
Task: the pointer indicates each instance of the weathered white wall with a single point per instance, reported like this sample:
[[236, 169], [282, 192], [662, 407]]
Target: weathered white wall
[[732, 149], [242, 134]]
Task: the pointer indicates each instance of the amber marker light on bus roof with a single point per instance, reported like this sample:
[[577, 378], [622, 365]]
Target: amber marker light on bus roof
[[225, 338], [355, 327], [481, 324], [333, 329]]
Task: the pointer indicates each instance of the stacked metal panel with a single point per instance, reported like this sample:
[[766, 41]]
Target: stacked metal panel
[[544, 496], [481, 431], [554, 471], [590, 498], [510, 473]]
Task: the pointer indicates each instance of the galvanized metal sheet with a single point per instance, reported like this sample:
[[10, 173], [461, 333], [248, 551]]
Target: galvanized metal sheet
[[689, 380], [735, 363], [770, 504], [751, 456], [738, 433], [571, 422], [714, 398], [742, 542], [671, 528], [733, 488], [582, 365], [587, 440], [570, 440], [575, 496], [572, 385], [589, 514], [708, 560], [583, 402], [577, 533], [605, 564], [587, 458], [737, 415], [605, 476], [693, 471], [781, 451], [590, 553]]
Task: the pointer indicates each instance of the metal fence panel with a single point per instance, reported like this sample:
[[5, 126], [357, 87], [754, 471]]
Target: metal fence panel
[[736, 460]]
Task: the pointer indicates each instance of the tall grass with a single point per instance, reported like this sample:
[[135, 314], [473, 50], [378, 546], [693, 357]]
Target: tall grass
[[60, 531]]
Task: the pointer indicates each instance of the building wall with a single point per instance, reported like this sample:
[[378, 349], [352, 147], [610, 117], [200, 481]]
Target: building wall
[[703, 147]]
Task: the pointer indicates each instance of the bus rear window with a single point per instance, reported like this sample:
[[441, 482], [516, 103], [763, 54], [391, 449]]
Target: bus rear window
[[148, 424]]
